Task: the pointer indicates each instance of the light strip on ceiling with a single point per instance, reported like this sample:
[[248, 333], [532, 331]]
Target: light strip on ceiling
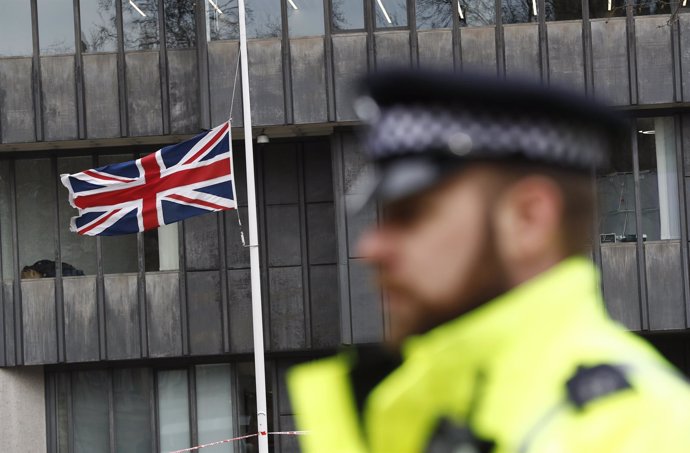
[[462, 16], [292, 4], [215, 5], [609, 6], [385, 13], [131, 2], [534, 7]]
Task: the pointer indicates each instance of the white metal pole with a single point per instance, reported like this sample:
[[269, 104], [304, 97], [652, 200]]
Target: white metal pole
[[257, 318]]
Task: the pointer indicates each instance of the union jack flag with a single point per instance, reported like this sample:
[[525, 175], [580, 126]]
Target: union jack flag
[[172, 184]]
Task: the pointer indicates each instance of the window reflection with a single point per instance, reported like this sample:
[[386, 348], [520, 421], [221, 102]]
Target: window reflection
[[436, 13], [305, 18], [523, 11], [616, 197], [222, 20], [607, 8], [477, 13], [264, 19], [390, 13], [348, 15], [214, 400], [564, 10], [98, 26], [140, 24], [35, 188], [132, 415], [15, 29], [55, 26], [651, 7], [180, 27], [90, 406]]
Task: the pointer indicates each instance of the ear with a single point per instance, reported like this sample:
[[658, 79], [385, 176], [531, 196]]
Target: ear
[[527, 221]]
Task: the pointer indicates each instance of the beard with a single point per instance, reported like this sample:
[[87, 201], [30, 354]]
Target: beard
[[414, 314]]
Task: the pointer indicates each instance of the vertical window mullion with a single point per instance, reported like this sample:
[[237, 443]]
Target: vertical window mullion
[[59, 296], [193, 419], [111, 413]]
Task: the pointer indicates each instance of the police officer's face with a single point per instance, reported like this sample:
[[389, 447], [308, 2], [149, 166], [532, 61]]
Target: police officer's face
[[434, 253], [459, 245]]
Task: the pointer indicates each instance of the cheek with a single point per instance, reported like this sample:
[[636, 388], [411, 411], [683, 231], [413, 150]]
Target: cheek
[[442, 256]]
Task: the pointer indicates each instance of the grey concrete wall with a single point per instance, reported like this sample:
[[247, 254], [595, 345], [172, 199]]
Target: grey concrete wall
[[22, 410]]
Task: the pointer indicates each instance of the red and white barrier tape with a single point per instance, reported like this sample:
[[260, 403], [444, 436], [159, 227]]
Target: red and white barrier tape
[[234, 439]]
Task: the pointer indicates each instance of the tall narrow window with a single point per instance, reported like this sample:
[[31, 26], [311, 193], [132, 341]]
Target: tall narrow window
[[55, 26], [348, 15], [390, 13], [78, 252], [214, 405], [90, 403], [140, 24], [15, 29], [658, 178], [305, 18], [173, 410], [132, 410], [222, 20], [36, 185], [180, 25], [264, 19], [98, 26]]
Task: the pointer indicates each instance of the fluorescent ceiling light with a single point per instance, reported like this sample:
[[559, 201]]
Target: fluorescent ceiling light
[[385, 13], [609, 5], [534, 7], [648, 132], [292, 4], [685, 2], [462, 16], [131, 2], [215, 5]]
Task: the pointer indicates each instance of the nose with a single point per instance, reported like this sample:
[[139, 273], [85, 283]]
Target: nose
[[374, 245]]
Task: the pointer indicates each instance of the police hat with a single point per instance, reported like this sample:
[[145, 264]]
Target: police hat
[[423, 125]]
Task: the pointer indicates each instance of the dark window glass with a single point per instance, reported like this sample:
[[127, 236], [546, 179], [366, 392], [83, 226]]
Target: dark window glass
[[140, 24], [222, 20], [305, 17], [606, 8], [475, 13], [264, 19], [36, 185], [90, 402], [132, 391], [650, 7], [564, 9], [77, 251], [55, 26], [6, 243], [98, 26], [390, 13], [523, 11], [348, 15], [616, 197], [435, 14], [15, 29], [180, 27]]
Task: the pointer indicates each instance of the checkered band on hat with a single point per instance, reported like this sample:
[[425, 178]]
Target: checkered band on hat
[[409, 129]]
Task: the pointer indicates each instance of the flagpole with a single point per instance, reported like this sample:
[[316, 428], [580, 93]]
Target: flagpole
[[257, 318]]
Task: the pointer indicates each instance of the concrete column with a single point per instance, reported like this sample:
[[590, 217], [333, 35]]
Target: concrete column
[[22, 410]]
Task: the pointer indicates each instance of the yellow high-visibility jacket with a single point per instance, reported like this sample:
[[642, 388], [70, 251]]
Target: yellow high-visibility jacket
[[540, 369]]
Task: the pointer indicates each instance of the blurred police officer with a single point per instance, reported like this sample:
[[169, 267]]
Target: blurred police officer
[[499, 341]]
